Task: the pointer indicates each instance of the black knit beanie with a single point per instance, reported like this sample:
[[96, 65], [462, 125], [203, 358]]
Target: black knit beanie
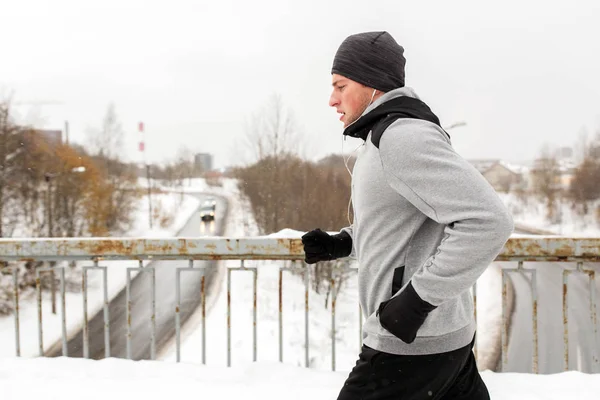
[[374, 59]]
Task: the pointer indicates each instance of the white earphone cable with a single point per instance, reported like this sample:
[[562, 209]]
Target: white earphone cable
[[346, 160]]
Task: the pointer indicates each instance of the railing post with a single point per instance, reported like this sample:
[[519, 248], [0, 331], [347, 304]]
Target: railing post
[[152, 311], [38, 285], [229, 317], [504, 320], [16, 310], [475, 316], [566, 318], [306, 315], [306, 278], [280, 291], [333, 298]]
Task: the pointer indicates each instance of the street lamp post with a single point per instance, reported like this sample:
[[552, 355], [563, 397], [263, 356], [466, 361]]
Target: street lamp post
[[455, 125], [48, 178]]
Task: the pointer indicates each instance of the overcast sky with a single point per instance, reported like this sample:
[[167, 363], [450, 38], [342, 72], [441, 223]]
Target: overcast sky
[[520, 73]]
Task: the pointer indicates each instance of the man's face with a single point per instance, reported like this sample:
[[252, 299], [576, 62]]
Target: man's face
[[349, 98]]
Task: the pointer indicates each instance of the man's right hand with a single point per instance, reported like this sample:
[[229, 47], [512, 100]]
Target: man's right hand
[[321, 246]]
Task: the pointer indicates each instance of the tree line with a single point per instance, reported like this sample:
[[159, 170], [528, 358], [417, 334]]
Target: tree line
[[582, 190], [52, 189], [58, 190]]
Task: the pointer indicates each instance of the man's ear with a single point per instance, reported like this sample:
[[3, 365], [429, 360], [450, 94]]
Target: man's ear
[[378, 94]]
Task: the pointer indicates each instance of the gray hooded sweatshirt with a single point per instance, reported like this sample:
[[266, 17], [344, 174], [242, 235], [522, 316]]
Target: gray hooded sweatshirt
[[425, 215]]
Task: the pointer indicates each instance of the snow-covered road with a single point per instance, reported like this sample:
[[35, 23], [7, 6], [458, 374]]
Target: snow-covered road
[[141, 310]]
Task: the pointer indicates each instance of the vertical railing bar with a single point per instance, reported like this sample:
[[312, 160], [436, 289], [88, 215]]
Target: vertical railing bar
[[52, 286], [39, 301], [228, 317], [534, 313], [504, 321], [360, 322], [280, 288], [106, 310], [475, 316], [332, 321], [178, 309], [153, 306], [534, 296], [153, 316], [255, 322], [306, 278], [128, 312], [177, 315], [203, 296], [596, 356], [306, 315], [38, 285], [191, 268], [592, 282], [84, 285], [63, 302], [566, 319], [16, 310]]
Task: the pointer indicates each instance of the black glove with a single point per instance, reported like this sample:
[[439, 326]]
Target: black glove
[[404, 314], [321, 246]]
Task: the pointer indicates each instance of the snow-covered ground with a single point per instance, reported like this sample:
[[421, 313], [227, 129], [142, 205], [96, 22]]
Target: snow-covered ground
[[180, 207], [267, 378], [531, 212], [73, 379]]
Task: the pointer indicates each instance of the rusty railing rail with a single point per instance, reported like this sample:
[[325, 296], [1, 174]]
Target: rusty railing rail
[[518, 249]]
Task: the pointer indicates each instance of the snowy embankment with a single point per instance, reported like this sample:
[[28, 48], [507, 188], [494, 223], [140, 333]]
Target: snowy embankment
[[531, 212], [179, 207], [73, 379]]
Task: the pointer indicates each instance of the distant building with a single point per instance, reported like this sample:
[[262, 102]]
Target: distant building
[[564, 153], [51, 137], [483, 165], [501, 175], [562, 171], [47, 140], [594, 151], [203, 161], [567, 169]]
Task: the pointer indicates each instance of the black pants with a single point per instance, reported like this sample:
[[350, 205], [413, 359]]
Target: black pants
[[379, 376]]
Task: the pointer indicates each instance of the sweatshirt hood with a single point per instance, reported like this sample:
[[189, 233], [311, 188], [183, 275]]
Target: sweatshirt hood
[[403, 102]]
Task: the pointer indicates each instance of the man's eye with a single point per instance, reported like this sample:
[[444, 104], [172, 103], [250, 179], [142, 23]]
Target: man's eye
[[342, 87]]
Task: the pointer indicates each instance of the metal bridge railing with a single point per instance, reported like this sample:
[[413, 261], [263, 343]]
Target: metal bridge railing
[[517, 249]]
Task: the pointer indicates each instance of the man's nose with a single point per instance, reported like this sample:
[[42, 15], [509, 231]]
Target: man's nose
[[333, 101]]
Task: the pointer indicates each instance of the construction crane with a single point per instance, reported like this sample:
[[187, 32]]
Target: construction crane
[[39, 103]]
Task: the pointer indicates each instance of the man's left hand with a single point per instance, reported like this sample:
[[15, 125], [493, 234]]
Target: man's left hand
[[404, 314]]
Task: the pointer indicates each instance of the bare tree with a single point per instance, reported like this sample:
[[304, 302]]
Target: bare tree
[[546, 180], [273, 131], [184, 165], [585, 187], [11, 152], [106, 145], [108, 140]]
